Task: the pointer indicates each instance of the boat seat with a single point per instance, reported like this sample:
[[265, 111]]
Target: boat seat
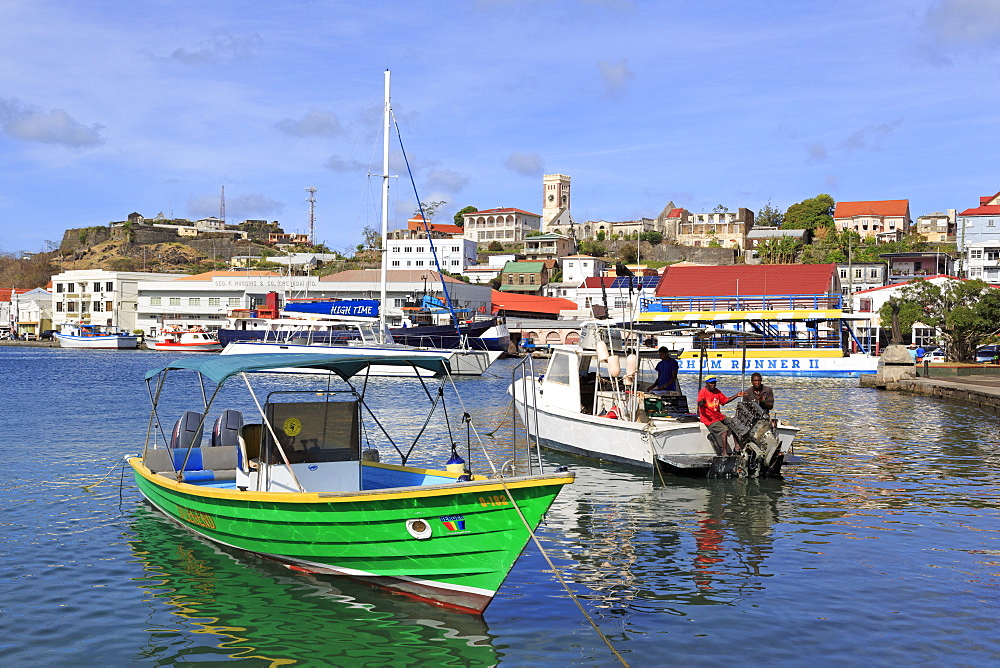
[[187, 431], [218, 462], [226, 430], [249, 444]]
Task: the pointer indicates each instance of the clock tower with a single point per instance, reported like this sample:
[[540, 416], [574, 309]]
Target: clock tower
[[555, 202]]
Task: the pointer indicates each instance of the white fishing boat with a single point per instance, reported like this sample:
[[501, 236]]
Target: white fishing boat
[[194, 340], [78, 335], [602, 414]]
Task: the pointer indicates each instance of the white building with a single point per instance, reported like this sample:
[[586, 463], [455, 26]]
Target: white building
[[455, 255], [503, 225], [859, 276], [982, 261], [484, 273], [99, 297], [29, 313], [578, 268]]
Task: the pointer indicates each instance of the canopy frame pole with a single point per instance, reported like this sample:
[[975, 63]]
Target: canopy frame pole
[[277, 443]]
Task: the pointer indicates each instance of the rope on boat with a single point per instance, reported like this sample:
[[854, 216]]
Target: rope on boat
[[92, 485], [501, 422], [559, 577]]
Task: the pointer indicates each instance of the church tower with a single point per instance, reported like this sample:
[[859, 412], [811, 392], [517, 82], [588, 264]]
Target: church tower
[[555, 202]]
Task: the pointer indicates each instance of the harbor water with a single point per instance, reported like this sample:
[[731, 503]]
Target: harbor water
[[880, 546]]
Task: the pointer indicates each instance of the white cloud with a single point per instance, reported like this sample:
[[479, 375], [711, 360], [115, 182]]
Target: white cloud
[[47, 127], [338, 164], [870, 137], [445, 179], [615, 76], [222, 46], [312, 124], [528, 164], [964, 22]]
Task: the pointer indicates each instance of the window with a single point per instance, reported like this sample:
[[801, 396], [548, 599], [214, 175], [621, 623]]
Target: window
[[395, 249], [993, 255], [97, 287], [59, 307], [408, 249], [71, 307], [214, 301], [976, 253], [395, 263], [109, 287], [621, 302], [420, 263], [866, 305], [175, 301], [858, 273], [455, 249], [109, 306], [96, 307], [234, 301], [873, 273], [843, 273], [59, 287], [989, 223], [194, 301], [155, 301], [558, 371], [70, 287], [454, 263]]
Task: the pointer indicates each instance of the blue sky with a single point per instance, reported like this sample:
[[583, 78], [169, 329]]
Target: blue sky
[[112, 107]]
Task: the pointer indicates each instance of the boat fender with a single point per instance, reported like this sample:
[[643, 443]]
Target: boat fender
[[456, 464], [370, 455], [602, 351], [614, 366], [631, 364], [612, 414]]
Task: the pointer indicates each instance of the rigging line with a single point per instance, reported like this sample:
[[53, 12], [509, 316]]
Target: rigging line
[[559, 576], [427, 420], [465, 410], [427, 230]]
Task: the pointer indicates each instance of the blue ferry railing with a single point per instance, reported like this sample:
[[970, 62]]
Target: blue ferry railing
[[742, 303]]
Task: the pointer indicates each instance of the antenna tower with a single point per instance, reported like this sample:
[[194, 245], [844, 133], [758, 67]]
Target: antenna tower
[[312, 215], [222, 205]]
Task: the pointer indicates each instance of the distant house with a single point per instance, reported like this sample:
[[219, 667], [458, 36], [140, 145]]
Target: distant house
[[724, 228], [978, 239], [883, 220], [503, 225], [548, 246], [904, 267], [860, 276], [416, 225], [938, 227], [526, 277]]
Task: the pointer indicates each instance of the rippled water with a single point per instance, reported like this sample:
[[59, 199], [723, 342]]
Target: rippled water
[[881, 546]]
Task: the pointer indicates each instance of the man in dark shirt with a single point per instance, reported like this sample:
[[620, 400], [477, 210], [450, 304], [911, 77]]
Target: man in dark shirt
[[759, 392], [666, 373]]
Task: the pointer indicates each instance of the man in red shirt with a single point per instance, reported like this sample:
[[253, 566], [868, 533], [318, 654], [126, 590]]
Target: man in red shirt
[[710, 403]]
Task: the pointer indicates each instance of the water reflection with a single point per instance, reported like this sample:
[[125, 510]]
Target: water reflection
[[236, 606]]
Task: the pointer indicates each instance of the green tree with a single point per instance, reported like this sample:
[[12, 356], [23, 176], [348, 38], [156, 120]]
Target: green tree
[[495, 246], [900, 314], [720, 208], [460, 217], [372, 238], [965, 313], [652, 237], [592, 248], [769, 216], [601, 236], [779, 250], [429, 209], [810, 214], [628, 253]]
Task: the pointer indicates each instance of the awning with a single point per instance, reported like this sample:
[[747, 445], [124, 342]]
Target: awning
[[346, 364]]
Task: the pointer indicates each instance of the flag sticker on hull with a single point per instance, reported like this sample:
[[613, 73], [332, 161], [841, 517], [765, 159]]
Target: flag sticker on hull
[[454, 522]]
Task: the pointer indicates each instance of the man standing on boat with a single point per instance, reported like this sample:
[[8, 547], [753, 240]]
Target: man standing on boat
[[666, 373], [710, 403], [760, 393]]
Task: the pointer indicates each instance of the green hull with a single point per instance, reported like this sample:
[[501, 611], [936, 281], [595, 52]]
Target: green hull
[[474, 532]]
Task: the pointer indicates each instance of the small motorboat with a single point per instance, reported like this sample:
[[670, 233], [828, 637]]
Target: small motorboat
[[194, 340]]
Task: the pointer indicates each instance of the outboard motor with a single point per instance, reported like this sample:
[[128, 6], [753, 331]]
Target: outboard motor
[[760, 453]]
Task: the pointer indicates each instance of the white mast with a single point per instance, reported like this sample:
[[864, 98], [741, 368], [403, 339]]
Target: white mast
[[385, 207]]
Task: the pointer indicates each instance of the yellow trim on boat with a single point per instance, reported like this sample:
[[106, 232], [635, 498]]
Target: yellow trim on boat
[[413, 469], [478, 486], [728, 316]]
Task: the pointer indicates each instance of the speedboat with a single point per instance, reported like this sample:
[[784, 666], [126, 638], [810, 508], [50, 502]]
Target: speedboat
[[195, 340], [78, 335]]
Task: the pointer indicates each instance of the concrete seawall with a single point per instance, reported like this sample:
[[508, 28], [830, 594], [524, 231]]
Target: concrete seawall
[[982, 391]]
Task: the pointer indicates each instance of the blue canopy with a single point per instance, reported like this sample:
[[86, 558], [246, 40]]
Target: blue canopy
[[344, 364]]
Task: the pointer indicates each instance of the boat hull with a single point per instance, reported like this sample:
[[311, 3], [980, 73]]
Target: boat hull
[[122, 342], [475, 531], [638, 444], [186, 347]]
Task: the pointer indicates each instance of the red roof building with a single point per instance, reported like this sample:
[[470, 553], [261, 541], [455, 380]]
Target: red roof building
[[886, 220], [417, 224], [530, 306]]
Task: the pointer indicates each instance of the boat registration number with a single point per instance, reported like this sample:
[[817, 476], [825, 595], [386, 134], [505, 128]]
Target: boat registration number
[[487, 501], [196, 517]]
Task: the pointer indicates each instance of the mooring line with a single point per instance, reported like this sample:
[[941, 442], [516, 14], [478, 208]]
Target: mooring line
[[124, 458], [559, 576]]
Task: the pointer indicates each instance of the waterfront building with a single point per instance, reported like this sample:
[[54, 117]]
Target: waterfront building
[[25, 313], [578, 268], [884, 220], [982, 261], [870, 302], [505, 225], [100, 297], [728, 229], [938, 227], [556, 202]]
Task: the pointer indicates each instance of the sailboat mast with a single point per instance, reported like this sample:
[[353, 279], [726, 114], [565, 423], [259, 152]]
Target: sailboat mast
[[385, 207]]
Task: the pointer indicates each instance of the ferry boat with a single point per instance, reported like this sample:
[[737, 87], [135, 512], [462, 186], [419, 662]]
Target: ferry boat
[[785, 335]]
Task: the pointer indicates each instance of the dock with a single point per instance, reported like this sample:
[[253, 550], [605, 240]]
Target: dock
[[977, 385]]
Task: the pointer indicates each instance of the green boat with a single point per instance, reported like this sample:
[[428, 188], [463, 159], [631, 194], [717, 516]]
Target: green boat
[[298, 487]]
